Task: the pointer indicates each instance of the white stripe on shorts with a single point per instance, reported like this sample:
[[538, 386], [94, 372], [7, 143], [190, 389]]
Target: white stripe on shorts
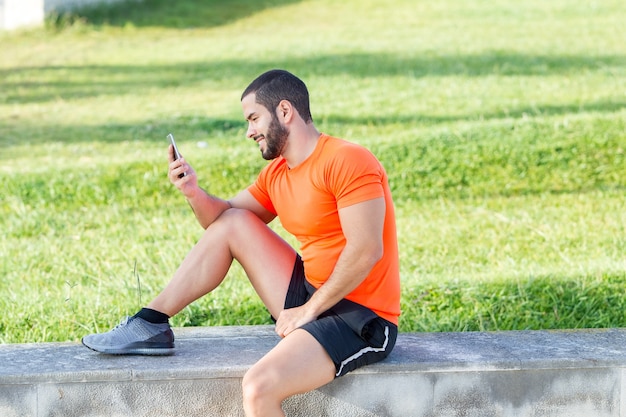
[[364, 351]]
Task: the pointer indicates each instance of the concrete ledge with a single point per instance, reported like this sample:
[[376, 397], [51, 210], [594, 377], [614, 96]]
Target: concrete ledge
[[531, 373]]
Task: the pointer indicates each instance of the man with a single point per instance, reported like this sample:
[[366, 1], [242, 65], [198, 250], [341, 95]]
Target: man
[[336, 307]]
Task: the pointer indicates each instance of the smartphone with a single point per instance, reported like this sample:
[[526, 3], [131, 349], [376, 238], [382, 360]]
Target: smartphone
[[176, 153]]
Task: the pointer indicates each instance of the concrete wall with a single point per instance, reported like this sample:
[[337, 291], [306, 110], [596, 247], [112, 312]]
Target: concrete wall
[[15, 14], [578, 373]]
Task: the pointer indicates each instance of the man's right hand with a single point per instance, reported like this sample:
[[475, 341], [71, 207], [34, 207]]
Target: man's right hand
[[187, 184]]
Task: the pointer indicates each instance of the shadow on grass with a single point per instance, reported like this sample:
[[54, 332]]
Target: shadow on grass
[[203, 127], [149, 131], [41, 84], [165, 13]]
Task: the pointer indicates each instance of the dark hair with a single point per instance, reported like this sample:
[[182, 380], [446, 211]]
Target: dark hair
[[273, 86]]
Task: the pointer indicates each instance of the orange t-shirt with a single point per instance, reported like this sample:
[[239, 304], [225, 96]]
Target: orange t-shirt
[[307, 199]]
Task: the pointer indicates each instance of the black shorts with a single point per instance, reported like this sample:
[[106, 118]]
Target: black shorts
[[353, 335]]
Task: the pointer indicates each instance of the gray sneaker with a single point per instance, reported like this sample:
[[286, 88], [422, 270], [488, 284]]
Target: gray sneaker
[[133, 336]]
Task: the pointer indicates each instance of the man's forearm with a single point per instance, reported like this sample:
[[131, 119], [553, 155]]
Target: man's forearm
[[351, 269], [362, 225], [207, 207]]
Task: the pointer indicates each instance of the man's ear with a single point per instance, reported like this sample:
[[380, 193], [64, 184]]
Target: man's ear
[[285, 111]]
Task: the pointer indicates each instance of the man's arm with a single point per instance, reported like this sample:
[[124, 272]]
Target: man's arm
[[205, 206], [362, 225]]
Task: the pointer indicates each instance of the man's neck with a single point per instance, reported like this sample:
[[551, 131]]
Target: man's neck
[[301, 145]]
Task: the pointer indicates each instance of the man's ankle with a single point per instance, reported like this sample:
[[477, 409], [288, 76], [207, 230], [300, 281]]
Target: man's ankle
[[152, 316]]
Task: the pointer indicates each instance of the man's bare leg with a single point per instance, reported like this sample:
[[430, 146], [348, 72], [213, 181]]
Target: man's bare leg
[[237, 234], [296, 365], [268, 261]]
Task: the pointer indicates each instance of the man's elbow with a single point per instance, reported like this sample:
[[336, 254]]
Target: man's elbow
[[373, 254]]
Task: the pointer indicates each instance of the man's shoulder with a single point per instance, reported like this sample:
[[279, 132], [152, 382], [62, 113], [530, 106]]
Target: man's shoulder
[[336, 142], [335, 147]]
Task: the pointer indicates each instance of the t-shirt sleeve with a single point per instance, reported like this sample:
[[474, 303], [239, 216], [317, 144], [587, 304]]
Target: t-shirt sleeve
[[356, 176], [258, 189]]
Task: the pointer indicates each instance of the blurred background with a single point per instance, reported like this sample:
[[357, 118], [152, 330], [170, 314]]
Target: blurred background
[[501, 125]]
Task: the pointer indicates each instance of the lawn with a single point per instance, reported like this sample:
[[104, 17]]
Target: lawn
[[502, 126]]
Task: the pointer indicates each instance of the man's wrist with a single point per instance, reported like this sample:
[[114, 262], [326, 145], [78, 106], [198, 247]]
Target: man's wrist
[[194, 193], [316, 305]]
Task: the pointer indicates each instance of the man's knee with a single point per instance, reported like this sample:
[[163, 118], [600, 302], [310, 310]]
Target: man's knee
[[236, 215], [250, 388], [232, 221], [257, 390]]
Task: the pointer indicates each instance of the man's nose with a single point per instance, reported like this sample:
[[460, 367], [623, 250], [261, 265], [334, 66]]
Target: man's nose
[[251, 132]]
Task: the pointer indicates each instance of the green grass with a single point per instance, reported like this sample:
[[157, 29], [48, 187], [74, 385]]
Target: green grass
[[501, 125]]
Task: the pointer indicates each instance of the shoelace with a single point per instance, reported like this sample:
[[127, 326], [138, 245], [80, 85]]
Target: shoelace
[[122, 323]]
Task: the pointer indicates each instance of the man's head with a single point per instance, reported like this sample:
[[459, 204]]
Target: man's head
[[271, 104], [276, 85]]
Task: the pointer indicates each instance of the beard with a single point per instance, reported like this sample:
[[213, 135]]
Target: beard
[[275, 140]]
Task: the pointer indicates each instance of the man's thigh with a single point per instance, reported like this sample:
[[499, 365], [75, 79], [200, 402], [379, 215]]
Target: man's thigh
[[267, 258], [297, 364]]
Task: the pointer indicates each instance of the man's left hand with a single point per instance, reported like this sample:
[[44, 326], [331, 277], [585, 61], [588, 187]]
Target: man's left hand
[[292, 318]]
